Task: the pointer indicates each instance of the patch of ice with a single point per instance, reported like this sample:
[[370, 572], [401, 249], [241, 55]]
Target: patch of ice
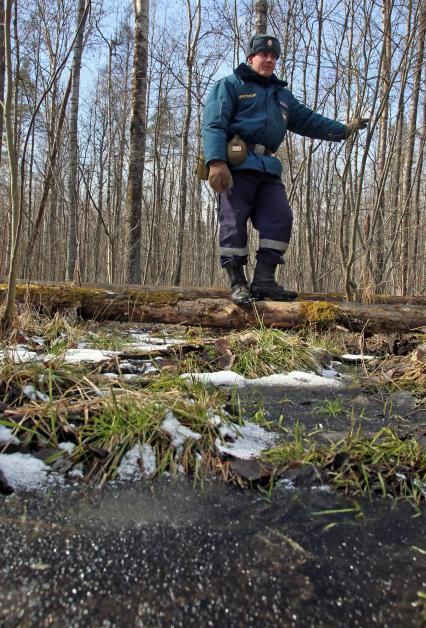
[[178, 432], [353, 357], [6, 436], [74, 356], [67, 446], [19, 353], [24, 472], [249, 441], [33, 394]]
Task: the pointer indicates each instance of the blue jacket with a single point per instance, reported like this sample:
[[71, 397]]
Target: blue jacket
[[260, 110]]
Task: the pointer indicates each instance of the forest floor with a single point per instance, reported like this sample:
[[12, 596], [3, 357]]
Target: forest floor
[[159, 476]]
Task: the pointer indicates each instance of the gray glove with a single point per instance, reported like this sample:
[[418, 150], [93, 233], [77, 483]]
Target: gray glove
[[355, 125]]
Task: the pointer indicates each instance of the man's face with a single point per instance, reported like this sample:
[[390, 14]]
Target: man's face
[[263, 63]]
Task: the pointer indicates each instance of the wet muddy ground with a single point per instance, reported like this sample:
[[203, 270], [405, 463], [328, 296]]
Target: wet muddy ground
[[167, 553]]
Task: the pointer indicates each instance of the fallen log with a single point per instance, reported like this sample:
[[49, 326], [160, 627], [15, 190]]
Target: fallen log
[[197, 307], [215, 292]]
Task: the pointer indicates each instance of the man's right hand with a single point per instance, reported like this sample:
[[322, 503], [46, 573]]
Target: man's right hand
[[220, 178], [356, 125]]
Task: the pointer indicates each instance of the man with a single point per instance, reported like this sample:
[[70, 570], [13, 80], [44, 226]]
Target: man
[[255, 105]]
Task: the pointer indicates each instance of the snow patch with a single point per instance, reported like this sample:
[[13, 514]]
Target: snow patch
[[219, 378], [19, 353], [67, 446], [24, 472], [247, 441], [178, 432], [287, 484], [149, 461], [130, 469], [294, 378], [143, 341], [33, 394], [74, 356], [6, 436], [353, 357]]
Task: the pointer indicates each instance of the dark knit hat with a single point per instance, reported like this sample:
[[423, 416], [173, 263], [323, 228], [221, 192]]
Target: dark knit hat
[[263, 43]]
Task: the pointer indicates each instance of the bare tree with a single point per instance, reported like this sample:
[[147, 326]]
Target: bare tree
[[6, 323], [82, 11], [137, 141], [194, 26]]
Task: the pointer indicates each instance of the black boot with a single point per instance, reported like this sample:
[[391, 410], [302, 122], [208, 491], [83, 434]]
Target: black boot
[[240, 292], [264, 285]]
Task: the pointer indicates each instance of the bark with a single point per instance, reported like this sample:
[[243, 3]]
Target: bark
[[6, 323], [261, 16], [2, 73], [192, 41], [383, 140], [137, 141], [409, 156], [312, 248], [73, 143]]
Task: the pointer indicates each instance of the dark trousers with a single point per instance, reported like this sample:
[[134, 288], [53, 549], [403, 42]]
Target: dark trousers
[[262, 198]]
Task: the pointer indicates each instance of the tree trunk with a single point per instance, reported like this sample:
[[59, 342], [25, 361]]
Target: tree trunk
[[137, 141], [6, 323], [383, 137], [190, 56], [409, 155], [2, 73], [73, 143], [261, 16]]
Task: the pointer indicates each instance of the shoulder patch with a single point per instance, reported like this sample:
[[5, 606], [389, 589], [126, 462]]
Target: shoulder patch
[[242, 96]]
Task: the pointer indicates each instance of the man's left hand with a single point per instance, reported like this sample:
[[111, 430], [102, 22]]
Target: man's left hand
[[356, 125]]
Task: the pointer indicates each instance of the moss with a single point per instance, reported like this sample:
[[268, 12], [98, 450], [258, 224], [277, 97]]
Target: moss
[[50, 296], [319, 311], [67, 295], [156, 297]]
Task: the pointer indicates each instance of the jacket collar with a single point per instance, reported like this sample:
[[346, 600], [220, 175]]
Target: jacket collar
[[248, 75]]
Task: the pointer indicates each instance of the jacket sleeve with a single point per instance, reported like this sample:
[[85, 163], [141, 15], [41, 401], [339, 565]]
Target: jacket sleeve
[[217, 117], [304, 121]]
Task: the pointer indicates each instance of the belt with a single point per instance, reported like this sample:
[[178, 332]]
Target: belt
[[258, 149]]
